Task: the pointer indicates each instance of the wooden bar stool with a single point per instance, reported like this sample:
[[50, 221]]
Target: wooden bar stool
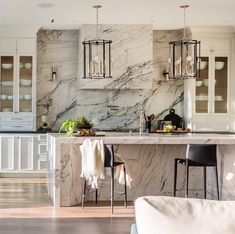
[[198, 156], [109, 163]]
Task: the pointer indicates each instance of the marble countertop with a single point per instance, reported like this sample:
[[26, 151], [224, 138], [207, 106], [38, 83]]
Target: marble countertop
[[152, 138]]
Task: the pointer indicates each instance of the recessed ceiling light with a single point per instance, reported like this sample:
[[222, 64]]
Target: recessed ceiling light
[[45, 5]]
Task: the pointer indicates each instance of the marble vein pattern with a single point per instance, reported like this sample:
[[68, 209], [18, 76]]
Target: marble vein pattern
[[131, 56], [151, 165], [112, 105], [56, 99]]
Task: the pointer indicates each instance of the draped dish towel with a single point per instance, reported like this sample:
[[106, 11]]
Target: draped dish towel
[[92, 161], [93, 158], [119, 171]]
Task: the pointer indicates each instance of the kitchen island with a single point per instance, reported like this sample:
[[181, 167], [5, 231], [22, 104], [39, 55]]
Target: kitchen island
[[151, 162]]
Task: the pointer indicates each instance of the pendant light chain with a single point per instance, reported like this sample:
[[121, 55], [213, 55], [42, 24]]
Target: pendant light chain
[[184, 20], [184, 7], [97, 23]]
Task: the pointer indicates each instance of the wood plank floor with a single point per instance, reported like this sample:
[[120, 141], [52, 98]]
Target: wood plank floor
[[26, 208]]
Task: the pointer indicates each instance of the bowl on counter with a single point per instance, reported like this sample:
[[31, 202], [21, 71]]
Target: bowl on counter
[[219, 98], [205, 82], [27, 97], [25, 82], [7, 65], [7, 83], [3, 97], [28, 65], [219, 65], [203, 65], [7, 109], [202, 98], [26, 110], [21, 65], [9, 97], [199, 83], [21, 96]]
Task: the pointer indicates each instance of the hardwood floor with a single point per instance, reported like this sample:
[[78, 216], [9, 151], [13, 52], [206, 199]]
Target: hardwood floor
[[25, 208]]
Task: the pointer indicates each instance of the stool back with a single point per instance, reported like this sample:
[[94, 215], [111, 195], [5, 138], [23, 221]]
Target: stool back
[[201, 155], [108, 156]]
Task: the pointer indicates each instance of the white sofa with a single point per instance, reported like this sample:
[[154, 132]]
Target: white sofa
[[170, 215]]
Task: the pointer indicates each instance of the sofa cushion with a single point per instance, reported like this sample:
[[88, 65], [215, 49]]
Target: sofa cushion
[[169, 215]]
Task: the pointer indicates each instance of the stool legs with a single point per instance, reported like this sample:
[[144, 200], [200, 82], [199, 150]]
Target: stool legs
[[83, 192], [175, 177], [112, 189], [204, 172], [217, 182], [187, 179], [96, 196], [125, 189]]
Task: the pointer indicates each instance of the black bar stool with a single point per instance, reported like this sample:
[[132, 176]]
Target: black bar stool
[[198, 156], [109, 163]]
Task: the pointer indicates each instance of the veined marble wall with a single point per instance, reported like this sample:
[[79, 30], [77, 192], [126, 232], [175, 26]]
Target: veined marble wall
[[56, 99], [139, 58]]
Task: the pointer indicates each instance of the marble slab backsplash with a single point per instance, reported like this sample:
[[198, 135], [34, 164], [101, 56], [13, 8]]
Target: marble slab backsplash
[[119, 103], [131, 56]]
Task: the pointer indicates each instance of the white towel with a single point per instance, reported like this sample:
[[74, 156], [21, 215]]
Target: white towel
[[92, 161], [119, 171]]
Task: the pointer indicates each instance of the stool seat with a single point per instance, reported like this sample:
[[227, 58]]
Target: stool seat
[[198, 156]]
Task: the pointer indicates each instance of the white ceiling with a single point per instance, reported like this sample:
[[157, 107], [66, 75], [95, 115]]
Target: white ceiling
[[160, 13]]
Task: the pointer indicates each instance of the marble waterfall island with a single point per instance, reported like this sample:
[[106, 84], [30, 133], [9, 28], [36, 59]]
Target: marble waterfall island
[[151, 163]]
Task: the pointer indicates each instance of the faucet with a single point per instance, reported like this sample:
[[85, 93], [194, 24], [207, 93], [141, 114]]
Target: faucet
[[142, 120]]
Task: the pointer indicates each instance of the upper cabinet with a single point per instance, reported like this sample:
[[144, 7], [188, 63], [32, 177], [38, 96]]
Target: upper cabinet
[[208, 100], [17, 84]]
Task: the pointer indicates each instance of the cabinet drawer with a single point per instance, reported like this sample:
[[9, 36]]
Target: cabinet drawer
[[16, 119], [16, 127]]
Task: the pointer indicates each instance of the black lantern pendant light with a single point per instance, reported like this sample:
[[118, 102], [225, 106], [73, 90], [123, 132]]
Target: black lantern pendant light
[[184, 57], [97, 55]]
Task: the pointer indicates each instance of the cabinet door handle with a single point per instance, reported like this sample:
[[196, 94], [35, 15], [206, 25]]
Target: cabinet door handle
[[16, 118], [17, 126]]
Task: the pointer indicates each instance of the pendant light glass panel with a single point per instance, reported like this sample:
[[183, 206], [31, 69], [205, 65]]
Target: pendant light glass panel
[[97, 59], [184, 59]]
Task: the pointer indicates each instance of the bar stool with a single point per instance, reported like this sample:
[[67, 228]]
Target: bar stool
[[109, 163], [198, 156]]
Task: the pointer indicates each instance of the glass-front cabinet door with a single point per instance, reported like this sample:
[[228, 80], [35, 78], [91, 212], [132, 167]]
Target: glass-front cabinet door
[[211, 94], [25, 83], [7, 75], [202, 87], [221, 84]]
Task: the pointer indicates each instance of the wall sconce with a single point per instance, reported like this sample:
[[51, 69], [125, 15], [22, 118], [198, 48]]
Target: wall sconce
[[53, 73], [166, 74]]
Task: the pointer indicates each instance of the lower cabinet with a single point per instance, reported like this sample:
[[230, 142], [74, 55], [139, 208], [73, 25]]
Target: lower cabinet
[[23, 152]]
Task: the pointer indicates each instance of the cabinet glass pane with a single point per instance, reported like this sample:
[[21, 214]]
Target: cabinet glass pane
[[221, 87], [7, 77], [201, 105], [25, 83]]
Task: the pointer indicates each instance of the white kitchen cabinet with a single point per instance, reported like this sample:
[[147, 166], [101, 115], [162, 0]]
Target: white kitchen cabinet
[[26, 152], [18, 92], [23, 153], [7, 158], [208, 100]]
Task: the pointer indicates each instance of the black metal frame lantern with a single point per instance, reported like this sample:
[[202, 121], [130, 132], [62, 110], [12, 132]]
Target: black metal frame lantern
[[184, 57], [97, 55], [97, 59]]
